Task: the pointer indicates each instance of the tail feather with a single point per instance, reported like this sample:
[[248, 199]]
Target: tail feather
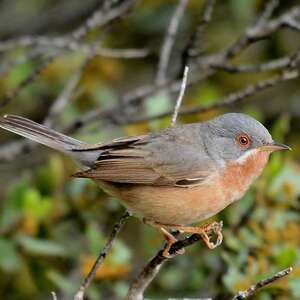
[[39, 133]]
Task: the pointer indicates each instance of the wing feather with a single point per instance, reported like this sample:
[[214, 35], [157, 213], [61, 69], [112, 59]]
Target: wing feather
[[163, 159]]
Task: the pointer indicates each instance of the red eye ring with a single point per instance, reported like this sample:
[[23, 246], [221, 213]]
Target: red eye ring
[[243, 140]]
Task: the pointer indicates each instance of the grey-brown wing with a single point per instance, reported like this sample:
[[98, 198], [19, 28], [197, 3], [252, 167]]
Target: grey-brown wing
[[152, 160]]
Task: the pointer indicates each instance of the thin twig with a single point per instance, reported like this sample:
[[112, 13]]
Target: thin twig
[[65, 95], [71, 44], [262, 283], [261, 30], [152, 268], [263, 67], [88, 279], [169, 40], [180, 96], [189, 50], [53, 295], [101, 17], [267, 12]]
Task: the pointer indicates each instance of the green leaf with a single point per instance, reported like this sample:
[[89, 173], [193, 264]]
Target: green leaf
[[19, 73], [36, 205], [68, 286], [12, 209], [95, 238], [155, 105], [207, 93], [286, 257], [232, 276], [41, 247], [294, 284], [281, 128], [250, 239], [9, 258], [120, 252], [289, 175]]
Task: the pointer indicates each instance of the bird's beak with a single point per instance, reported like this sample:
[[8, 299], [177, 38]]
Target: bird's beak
[[275, 147]]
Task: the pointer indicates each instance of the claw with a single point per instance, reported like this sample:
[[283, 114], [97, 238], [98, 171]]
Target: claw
[[216, 228]]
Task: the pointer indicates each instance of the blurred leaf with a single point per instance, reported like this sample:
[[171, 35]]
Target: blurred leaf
[[170, 278], [285, 257], [62, 282], [19, 73], [157, 104], [294, 284], [51, 175], [35, 205], [231, 278], [108, 268], [121, 289], [12, 209], [35, 246], [95, 238], [207, 93], [289, 176], [120, 252], [281, 128], [10, 260], [250, 238]]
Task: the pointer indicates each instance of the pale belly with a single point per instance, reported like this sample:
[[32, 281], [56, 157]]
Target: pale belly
[[178, 205], [173, 205]]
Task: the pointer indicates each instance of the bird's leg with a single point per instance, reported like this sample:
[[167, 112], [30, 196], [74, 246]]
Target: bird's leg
[[169, 237], [204, 231]]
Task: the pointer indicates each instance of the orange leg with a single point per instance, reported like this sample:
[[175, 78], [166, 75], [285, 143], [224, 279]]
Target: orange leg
[[169, 237], [204, 231]]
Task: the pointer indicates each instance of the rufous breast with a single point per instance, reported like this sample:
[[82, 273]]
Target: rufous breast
[[239, 175]]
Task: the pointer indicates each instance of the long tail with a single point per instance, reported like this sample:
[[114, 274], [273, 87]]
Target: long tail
[[39, 133]]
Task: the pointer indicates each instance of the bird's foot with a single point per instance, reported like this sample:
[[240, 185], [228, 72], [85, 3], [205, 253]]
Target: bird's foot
[[205, 231], [209, 229]]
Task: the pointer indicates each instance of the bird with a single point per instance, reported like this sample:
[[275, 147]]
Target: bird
[[173, 178]]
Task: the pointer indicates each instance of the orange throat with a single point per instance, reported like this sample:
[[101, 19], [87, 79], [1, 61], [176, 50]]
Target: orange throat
[[240, 174]]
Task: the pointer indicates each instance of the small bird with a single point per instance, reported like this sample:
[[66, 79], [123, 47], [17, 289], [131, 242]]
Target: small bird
[[175, 177]]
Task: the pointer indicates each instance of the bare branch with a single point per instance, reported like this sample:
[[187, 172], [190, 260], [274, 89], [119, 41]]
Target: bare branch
[[65, 95], [152, 268], [116, 229], [102, 16], [169, 40], [208, 10], [231, 99], [180, 97], [267, 13], [70, 41], [9, 64], [267, 66], [262, 283], [261, 30], [72, 45], [189, 50]]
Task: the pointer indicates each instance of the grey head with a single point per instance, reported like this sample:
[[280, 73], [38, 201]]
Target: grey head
[[233, 135]]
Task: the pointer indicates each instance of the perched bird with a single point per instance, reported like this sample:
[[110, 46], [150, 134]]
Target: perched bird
[[173, 178]]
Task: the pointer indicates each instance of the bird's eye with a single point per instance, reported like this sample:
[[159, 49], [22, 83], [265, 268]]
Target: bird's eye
[[243, 140]]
